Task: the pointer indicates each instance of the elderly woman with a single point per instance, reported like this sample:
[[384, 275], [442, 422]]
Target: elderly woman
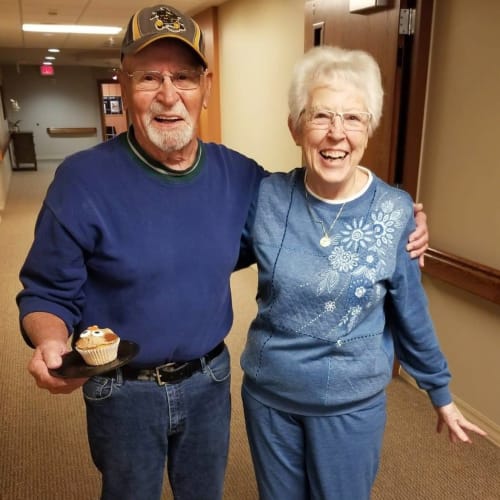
[[338, 293]]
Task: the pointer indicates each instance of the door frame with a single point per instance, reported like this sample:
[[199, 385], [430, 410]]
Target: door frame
[[100, 83], [408, 136]]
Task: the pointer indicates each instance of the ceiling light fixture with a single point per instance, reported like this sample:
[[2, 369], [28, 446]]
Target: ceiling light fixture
[[50, 58], [53, 50], [72, 28]]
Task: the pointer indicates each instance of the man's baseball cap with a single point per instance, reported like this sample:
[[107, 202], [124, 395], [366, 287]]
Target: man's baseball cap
[[162, 21]]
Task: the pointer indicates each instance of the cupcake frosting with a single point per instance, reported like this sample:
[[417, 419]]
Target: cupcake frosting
[[93, 337], [97, 346]]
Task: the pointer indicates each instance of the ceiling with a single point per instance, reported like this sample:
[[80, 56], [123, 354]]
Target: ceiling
[[21, 48]]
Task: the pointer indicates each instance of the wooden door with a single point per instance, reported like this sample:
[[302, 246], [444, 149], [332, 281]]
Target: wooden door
[[394, 149]]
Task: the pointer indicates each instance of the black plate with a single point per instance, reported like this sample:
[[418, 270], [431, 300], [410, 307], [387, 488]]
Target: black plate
[[73, 365]]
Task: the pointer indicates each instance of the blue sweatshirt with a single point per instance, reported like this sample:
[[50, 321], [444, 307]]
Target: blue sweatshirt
[[122, 245], [330, 318]]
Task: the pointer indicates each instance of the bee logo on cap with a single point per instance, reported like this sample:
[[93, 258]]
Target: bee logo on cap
[[165, 19]]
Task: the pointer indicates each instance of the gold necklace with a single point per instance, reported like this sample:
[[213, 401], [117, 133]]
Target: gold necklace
[[325, 241]]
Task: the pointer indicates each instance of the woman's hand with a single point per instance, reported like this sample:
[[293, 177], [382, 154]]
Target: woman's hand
[[450, 416]]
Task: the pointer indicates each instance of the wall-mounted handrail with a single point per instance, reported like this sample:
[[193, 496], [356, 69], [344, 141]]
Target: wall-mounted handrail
[[71, 131], [473, 277]]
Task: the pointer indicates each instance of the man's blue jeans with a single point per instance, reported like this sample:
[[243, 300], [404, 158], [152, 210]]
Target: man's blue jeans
[[135, 427]]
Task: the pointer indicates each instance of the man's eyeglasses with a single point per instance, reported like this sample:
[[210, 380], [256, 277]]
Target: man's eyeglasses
[[153, 80], [323, 119]]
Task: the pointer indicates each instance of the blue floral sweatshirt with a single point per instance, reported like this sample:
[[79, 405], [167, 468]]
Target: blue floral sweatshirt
[[330, 318]]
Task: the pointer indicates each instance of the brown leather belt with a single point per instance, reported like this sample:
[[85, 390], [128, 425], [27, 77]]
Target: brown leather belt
[[170, 373]]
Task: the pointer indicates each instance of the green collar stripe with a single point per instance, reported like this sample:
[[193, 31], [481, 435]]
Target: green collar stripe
[[157, 166]]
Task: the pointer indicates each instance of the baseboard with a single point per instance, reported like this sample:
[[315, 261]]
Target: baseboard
[[470, 413]]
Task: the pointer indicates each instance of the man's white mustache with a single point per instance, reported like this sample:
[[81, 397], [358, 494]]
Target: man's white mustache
[[177, 110]]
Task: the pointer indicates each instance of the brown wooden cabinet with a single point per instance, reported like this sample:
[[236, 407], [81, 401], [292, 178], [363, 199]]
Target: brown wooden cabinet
[[24, 151]]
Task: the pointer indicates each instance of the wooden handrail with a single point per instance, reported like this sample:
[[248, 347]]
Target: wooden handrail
[[471, 276], [72, 131]]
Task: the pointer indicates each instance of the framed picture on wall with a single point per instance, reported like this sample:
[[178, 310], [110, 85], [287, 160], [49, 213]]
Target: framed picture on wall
[[115, 105], [112, 105]]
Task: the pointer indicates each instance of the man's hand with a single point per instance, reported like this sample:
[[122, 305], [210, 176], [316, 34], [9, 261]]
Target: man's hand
[[49, 335], [48, 355], [419, 240]]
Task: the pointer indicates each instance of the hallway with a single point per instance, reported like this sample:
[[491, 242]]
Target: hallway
[[43, 440]]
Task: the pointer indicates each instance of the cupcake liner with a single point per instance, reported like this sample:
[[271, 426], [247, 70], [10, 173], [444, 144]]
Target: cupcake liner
[[99, 355]]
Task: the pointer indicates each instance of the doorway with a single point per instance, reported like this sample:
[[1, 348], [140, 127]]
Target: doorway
[[113, 115]]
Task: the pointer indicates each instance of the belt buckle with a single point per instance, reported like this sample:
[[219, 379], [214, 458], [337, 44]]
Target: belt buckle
[[168, 368]]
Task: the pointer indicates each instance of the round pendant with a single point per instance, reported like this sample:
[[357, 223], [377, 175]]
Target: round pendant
[[325, 241]]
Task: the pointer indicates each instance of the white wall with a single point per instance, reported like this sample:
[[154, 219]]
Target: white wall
[[461, 147], [260, 40], [70, 99]]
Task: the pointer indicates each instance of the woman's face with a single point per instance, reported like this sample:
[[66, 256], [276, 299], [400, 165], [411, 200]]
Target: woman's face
[[332, 154]]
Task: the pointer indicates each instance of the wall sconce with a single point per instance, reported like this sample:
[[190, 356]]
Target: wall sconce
[[366, 5], [14, 105]]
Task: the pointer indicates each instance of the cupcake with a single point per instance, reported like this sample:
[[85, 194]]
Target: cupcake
[[97, 346]]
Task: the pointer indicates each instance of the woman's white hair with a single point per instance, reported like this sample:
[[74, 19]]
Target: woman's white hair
[[324, 65]]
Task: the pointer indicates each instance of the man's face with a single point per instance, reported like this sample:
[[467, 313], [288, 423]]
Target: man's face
[[166, 119]]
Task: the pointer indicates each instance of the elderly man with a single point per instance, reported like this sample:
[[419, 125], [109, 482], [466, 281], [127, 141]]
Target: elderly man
[[140, 234]]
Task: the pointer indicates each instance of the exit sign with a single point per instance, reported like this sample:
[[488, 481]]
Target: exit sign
[[46, 70]]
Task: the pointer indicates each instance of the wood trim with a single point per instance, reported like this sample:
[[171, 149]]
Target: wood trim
[[5, 147], [72, 131], [209, 129], [420, 48], [471, 276]]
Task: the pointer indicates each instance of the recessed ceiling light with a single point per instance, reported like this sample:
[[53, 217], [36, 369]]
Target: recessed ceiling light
[[47, 63], [72, 28], [53, 50], [50, 58]]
